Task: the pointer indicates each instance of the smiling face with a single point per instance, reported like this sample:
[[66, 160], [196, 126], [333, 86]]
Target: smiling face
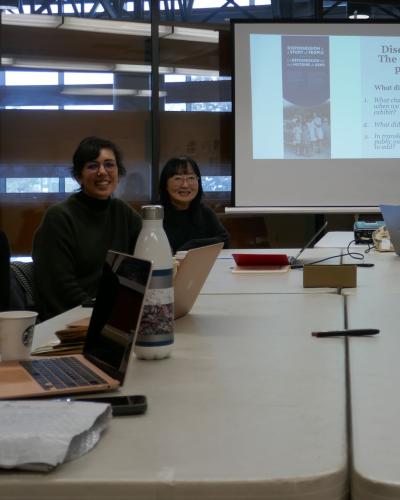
[[99, 177], [183, 188]]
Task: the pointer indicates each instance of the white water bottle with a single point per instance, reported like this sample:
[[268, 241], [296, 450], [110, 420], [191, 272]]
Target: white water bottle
[[156, 332]]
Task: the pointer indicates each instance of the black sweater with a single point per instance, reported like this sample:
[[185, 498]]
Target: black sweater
[[70, 247], [193, 228]]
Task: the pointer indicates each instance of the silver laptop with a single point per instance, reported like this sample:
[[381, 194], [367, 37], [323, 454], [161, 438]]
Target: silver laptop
[[111, 334], [391, 217], [191, 275]]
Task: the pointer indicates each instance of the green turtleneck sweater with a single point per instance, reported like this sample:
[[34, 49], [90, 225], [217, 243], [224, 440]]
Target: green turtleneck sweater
[[70, 247]]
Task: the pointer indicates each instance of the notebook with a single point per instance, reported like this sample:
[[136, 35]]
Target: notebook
[[111, 334], [391, 217], [191, 275]]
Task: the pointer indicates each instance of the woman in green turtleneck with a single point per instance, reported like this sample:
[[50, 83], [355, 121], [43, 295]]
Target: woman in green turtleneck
[[70, 245]]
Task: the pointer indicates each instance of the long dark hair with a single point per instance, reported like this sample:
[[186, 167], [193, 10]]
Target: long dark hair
[[89, 149], [177, 166]]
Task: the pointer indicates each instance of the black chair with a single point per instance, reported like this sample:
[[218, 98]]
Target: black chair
[[4, 272], [16, 281], [21, 294]]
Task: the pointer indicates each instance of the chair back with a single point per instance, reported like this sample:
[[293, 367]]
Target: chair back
[[22, 295], [4, 272]]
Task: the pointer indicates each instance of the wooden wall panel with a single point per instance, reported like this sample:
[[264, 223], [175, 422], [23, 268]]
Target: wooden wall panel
[[52, 136], [204, 136], [50, 44]]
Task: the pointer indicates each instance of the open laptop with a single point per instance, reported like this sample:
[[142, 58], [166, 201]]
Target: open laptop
[[111, 334], [294, 261], [191, 275], [391, 217], [272, 262]]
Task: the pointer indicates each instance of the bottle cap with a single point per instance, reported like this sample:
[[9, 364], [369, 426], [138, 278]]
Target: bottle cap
[[152, 212]]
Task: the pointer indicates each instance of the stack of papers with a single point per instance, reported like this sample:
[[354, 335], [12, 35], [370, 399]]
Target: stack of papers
[[71, 340]]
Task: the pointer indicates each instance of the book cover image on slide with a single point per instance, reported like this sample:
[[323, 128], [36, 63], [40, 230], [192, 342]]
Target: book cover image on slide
[[306, 93]]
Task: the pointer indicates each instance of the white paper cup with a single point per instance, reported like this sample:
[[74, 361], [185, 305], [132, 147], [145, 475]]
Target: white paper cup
[[176, 259], [175, 264], [16, 334], [180, 255]]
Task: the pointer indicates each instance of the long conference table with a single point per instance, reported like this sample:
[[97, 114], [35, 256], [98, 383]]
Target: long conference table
[[250, 405]]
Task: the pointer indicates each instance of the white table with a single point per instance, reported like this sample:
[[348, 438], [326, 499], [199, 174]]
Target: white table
[[338, 239], [222, 280], [250, 406], [383, 278], [375, 402]]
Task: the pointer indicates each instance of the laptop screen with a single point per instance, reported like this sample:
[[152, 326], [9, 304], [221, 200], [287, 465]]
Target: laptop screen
[[315, 236], [391, 217], [116, 313]]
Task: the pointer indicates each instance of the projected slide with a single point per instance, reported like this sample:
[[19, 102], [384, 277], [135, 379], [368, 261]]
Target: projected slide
[[324, 97], [317, 114]]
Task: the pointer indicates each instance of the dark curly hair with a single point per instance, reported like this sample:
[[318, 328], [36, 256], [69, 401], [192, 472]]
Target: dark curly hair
[[89, 149]]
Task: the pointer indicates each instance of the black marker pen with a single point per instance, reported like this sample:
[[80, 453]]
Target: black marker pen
[[345, 333]]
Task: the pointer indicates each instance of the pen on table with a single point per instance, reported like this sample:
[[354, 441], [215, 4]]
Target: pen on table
[[357, 332], [363, 264]]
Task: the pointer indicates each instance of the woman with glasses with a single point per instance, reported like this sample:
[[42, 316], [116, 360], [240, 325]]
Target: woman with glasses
[[187, 221], [70, 245]]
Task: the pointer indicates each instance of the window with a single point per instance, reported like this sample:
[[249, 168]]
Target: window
[[81, 78], [28, 78], [184, 83], [216, 183], [32, 185]]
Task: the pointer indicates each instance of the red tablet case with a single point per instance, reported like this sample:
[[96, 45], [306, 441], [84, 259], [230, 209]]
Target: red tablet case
[[258, 259]]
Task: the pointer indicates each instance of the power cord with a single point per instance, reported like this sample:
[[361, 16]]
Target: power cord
[[353, 255]]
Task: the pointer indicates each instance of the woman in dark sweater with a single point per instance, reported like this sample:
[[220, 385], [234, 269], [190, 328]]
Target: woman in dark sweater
[[71, 243], [187, 221]]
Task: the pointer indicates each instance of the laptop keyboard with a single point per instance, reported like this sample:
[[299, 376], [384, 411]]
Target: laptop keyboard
[[61, 373]]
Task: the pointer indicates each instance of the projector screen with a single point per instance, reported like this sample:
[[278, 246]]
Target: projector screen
[[317, 114]]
